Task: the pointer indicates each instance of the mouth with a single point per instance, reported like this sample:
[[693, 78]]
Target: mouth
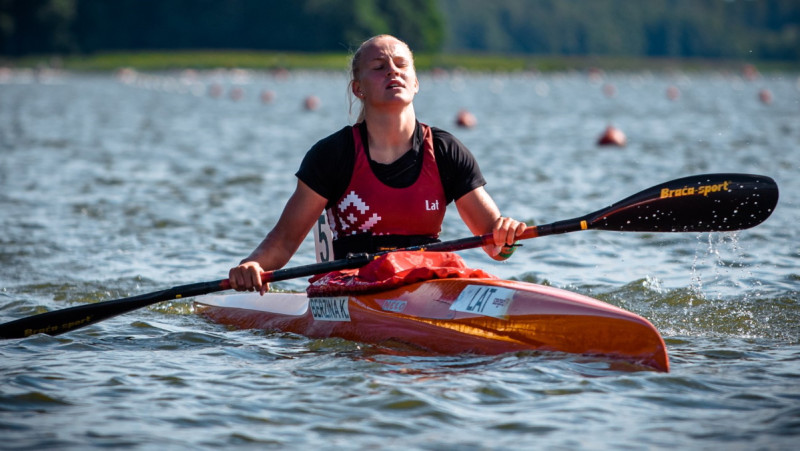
[[395, 84]]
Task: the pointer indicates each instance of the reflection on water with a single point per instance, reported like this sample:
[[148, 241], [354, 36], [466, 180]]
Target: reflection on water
[[116, 186]]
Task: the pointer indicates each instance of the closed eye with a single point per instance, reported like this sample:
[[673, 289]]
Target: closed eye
[[399, 62]]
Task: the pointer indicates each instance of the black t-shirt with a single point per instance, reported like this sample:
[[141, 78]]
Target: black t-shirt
[[328, 165]]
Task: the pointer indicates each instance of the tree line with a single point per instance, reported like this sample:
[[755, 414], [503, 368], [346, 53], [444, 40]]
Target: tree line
[[759, 29]]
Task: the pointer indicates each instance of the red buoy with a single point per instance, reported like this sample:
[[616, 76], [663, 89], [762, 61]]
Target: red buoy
[[267, 96], [612, 137], [312, 103], [215, 90], [595, 75], [765, 96], [749, 72], [673, 92], [466, 119], [236, 93]]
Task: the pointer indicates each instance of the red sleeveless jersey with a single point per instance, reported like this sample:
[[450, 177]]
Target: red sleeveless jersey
[[369, 206]]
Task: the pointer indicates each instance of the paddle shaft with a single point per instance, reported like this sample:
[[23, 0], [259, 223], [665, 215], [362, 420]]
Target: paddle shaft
[[702, 203]]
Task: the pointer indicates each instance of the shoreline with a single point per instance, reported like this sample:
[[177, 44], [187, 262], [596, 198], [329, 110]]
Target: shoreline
[[156, 61]]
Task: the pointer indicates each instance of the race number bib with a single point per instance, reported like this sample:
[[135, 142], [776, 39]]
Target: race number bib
[[484, 300], [323, 240]]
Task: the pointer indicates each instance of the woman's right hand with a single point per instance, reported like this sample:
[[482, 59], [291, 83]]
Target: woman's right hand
[[247, 277]]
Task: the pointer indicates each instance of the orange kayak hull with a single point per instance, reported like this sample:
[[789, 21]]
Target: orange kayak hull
[[454, 316]]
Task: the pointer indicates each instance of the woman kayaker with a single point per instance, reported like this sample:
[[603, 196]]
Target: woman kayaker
[[383, 182]]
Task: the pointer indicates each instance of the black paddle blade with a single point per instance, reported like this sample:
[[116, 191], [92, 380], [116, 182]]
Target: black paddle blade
[[700, 203], [61, 321]]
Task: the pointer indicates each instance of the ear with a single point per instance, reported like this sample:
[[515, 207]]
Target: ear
[[355, 86]]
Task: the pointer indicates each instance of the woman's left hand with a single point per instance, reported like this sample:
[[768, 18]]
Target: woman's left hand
[[482, 216]]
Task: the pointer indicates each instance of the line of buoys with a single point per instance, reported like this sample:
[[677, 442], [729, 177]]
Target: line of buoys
[[190, 81], [215, 83]]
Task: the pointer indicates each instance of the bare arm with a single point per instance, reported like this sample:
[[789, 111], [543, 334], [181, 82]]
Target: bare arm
[[481, 215], [298, 216]]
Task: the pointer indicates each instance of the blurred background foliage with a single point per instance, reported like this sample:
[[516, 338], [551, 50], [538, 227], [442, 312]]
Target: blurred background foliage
[[725, 29]]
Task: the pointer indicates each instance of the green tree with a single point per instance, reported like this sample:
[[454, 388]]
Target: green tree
[[36, 26]]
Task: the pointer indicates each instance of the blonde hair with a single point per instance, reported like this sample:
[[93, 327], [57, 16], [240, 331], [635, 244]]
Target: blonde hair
[[355, 69]]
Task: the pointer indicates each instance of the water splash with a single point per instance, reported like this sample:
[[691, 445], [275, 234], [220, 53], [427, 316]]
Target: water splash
[[690, 312]]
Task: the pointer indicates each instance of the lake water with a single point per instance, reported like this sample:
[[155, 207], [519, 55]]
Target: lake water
[[116, 186]]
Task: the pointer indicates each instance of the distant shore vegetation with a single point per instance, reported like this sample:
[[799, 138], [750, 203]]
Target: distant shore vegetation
[[274, 60]]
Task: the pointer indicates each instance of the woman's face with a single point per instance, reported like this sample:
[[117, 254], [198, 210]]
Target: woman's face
[[386, 75]]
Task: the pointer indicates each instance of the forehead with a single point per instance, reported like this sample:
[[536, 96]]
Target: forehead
[[385, 48]]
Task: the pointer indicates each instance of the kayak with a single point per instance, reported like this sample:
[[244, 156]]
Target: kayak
[[452, 315]]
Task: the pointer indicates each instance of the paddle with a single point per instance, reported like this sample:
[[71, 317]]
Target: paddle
[[701, 203]]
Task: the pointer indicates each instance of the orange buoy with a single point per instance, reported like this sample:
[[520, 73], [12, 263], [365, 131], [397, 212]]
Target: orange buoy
[[673, 92], [612, 137], [189, 75], [267, 96], [281, 73], [765, 96], [125, 75], [215, 90], [236, 94], [749, 72], [595, 75], [466, 119], [312, 103], [438, 73]]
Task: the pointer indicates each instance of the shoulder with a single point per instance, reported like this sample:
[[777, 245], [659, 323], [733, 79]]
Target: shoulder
[[329, 164], [445, 139], [331, 151], [335, 142], [451, 149], [458, 168]]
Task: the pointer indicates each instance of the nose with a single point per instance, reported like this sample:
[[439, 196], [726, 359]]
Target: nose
[[392, 69]]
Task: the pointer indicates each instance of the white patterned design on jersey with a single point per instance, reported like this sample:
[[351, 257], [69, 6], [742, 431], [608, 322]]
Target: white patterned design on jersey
[[356, 220]]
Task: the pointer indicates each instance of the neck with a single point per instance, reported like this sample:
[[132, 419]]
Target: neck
[[390, 134]]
